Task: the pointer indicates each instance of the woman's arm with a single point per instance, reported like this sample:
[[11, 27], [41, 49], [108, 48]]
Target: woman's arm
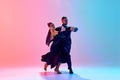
[[52, 33]]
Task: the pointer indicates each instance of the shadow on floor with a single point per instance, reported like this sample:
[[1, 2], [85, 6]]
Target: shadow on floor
[[63, 76]]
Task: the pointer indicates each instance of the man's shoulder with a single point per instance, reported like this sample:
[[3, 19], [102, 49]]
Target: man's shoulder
[[58, 28]]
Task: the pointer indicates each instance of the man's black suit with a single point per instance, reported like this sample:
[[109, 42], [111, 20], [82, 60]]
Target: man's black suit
[[66, 45]]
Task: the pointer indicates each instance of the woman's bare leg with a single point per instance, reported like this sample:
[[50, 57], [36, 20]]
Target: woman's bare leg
[[45, 66], [57, 69]]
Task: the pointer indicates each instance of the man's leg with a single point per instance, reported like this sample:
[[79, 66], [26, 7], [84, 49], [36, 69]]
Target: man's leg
[[68, 59], [69, 63]]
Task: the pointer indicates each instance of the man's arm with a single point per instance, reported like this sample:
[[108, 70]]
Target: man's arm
[[58, 29], [74, 29]]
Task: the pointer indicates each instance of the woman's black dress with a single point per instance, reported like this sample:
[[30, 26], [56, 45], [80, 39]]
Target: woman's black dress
[[56, 54]]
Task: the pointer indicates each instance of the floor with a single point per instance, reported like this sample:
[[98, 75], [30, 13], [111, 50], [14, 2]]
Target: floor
[[80, 73]]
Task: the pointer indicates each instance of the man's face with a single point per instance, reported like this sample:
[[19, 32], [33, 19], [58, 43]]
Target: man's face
[[64, 21]]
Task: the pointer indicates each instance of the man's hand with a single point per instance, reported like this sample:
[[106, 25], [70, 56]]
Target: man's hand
[[74, 29]]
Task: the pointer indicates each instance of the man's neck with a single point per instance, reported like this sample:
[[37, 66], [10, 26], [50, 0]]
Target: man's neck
[[64, 25]]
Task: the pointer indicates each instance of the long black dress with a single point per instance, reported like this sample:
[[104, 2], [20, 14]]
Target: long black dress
[[56, 54]]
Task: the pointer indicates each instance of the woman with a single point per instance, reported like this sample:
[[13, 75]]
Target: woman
[[54, 57]]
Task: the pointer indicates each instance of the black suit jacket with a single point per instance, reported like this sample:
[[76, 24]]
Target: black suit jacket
[[67, 34]]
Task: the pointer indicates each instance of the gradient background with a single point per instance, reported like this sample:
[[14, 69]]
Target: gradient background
[[23, 30]]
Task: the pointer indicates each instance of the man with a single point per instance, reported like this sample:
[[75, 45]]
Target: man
[[66, 41]]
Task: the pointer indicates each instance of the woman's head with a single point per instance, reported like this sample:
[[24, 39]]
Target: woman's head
[[50, 24]]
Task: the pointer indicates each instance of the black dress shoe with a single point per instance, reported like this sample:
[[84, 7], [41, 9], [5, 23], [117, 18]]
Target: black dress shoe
[[70, 71]]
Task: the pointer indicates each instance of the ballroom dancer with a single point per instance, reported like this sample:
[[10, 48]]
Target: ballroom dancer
[[66, 41]]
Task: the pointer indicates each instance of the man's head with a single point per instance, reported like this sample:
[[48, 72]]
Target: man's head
[[64, 20]]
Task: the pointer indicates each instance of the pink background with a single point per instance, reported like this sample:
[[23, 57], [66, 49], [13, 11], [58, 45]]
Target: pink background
[[23, 29]]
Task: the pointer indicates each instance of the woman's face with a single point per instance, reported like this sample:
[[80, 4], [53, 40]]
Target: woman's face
[[52, 25]]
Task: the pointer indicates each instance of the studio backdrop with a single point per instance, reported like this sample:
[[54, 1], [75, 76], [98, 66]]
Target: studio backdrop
[[23, 30]]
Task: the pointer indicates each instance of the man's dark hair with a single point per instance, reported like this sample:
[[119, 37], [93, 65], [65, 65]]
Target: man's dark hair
[[64, 17]]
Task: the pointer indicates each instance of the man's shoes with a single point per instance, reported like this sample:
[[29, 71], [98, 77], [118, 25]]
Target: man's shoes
[[70, 71]]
